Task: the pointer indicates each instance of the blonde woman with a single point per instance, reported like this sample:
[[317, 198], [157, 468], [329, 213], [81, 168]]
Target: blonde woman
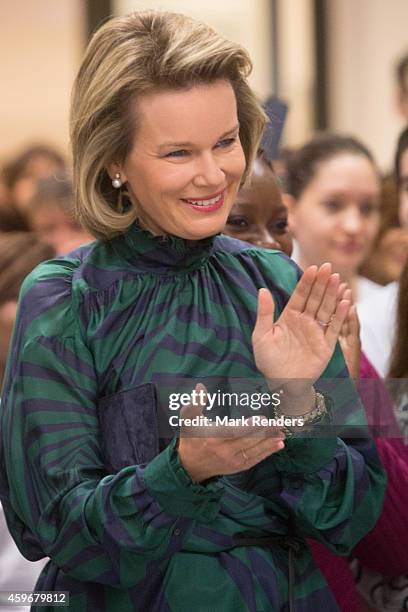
[[164, 130]]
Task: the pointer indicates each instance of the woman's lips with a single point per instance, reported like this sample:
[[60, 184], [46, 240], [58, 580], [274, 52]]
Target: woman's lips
[[209, 204], [350, 247]]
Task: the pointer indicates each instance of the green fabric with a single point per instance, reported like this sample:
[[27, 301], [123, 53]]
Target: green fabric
[[99, 334]]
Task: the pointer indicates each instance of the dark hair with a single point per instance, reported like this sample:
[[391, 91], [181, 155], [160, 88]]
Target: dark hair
[[280, 165], [401, 148], [20, 252], [261, 155], [399, 357], [302, 163], [14, 169], [401, 69], [11, 220]]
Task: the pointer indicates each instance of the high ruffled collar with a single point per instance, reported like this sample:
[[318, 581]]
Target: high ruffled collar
[[162, 254]]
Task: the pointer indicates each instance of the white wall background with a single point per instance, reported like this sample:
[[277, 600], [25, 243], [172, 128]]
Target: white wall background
[[296, 67], [247, 22], [41, 43], [365, 37]]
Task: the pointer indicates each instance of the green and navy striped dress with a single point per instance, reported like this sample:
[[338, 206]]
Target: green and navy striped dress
[[84, 477]]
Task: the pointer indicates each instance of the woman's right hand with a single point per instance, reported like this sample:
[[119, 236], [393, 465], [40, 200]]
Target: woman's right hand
[[210, 450]]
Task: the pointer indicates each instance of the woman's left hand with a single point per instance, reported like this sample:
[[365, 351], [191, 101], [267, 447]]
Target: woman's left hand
[[301, 342]]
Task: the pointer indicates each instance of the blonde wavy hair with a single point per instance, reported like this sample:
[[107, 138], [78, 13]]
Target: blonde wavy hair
[[130, 56]]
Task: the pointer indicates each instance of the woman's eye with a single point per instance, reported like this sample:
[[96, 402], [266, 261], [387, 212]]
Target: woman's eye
[[368, 209], [235, 221], [403, 185], [226, 142], [179, 153], [332, 205], [281, 226]]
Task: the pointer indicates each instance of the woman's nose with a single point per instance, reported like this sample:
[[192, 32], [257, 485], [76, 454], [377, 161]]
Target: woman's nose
[[266, 240], [208, 172], [352, 221]]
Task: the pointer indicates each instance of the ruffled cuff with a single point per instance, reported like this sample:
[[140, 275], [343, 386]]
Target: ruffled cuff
[[171, 486], [305, 455]]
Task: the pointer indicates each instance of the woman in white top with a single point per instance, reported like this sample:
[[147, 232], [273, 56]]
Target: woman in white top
[[334, 206], [378, 317]]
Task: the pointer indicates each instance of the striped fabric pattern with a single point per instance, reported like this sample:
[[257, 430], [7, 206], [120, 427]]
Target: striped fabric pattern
[[84, 478]]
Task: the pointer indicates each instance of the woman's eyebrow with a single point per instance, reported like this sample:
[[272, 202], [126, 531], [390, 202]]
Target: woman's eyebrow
[[282, 209], [242, 205], [189, 144]]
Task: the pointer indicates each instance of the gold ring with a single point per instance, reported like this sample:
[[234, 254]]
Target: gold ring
[[244, 456]]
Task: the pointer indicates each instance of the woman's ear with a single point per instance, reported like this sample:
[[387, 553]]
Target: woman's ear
[[290, 203], [116, 172]]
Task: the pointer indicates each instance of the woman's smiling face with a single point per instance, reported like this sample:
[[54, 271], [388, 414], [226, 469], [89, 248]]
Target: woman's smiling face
[[186, 162]]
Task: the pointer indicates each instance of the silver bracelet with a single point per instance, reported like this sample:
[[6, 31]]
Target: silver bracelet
[[318, 411], [311, 417]]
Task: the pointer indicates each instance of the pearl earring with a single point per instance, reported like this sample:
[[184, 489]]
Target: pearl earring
[[117, 181]]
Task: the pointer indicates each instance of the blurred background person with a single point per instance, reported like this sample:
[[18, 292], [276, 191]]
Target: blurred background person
[[401, 73], [10, 219], [378, 315], [50, 214], [334, 206], [260, 217], [401, 171], [382, 590], [387, 259], [19, 177], [398, 372], [20, 252]]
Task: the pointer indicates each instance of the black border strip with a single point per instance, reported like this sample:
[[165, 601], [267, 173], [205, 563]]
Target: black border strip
[[97, 11], [321, 50]]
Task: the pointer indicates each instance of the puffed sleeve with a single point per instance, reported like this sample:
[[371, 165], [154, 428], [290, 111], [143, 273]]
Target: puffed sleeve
[[57, 496], [332, 483]]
